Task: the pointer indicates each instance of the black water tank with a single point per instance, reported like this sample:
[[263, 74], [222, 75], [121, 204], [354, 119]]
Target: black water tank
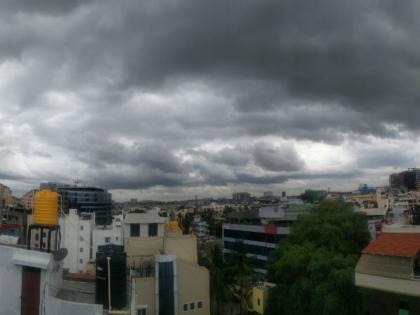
[[118, 267]]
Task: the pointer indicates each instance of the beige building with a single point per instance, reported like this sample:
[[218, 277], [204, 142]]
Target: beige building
[[6, 197], [27, 200], [389, 268], [165, 275], [259, 297]]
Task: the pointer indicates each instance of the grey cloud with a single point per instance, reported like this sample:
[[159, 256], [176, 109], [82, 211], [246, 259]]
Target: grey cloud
[[277, 159], [170, 77]]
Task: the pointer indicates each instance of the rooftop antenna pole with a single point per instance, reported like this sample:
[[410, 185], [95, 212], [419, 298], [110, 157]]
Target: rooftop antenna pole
[[109, 283]]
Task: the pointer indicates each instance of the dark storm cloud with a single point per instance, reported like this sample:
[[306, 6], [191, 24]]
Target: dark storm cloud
[[42, 6], [277, 159], [129, 91]]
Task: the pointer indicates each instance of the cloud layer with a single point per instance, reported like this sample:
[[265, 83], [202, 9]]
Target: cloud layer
[[171, 99]]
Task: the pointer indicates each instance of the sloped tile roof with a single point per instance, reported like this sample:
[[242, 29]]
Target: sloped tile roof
[[395, 244]]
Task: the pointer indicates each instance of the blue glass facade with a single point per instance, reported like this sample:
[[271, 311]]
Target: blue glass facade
[[89, 200], [85, 200]]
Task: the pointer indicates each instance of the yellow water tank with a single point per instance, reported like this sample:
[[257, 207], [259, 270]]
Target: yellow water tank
[[172, 226], [45, 207]]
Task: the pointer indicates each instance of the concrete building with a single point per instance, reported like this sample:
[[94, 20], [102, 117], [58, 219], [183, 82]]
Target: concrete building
[[259, 241], [6, 197], [109, 234], [76, 234], [200, 228], [27, 200], [405, 181], [389, 267], [165, 275], [81, 237], [240, 197], [259, 297], [260, 230], [85, 199], [31, 283]]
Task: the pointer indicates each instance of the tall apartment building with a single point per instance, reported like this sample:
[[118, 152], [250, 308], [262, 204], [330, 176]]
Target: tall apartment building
[[408, 180], [85, 199], [165, 275]]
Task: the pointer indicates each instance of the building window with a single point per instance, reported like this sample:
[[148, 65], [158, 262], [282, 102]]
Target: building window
[[258, 302], [185, 307], [107, 240], [192, 306], [81, 228], [199, 304], [36, 236], [81, 249], [81, 238], [134, 230], [142, 311], [153, 229], [81, 260]]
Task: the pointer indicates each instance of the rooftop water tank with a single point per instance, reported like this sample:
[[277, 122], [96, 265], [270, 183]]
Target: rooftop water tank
[[117, 272], [45, 207]]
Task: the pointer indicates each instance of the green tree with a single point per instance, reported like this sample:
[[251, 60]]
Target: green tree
[[313, 269], [219, 290], [185, 222], [240, 276]]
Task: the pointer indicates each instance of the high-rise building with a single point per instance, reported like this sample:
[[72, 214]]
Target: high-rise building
[[240, 197], [85, 200], [408, 180]]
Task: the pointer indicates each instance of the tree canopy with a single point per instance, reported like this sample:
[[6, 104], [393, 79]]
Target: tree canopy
[[313, 269]]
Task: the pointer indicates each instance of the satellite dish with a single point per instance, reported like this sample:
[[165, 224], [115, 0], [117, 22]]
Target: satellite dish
[[60, 254]]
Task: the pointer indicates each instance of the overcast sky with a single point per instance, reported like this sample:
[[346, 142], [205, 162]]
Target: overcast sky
[[171, 99]]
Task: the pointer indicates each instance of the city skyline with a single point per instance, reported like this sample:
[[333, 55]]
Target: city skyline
[[165, 101]]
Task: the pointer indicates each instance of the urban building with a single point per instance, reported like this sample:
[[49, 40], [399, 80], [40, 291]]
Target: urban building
[[162, 263], [389, 267], [259, 241], [108, 234], [85, 199], [27, 200], [31, 283], [241, 197], [260, 230], [76, 232], [259, 297], [6, 197], [82, 237], [408, 180], [200, 228]]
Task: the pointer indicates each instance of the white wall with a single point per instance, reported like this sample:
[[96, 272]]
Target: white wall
[[11, 261], [99, 236], [76, 235], [271, 212], [10, 283]]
